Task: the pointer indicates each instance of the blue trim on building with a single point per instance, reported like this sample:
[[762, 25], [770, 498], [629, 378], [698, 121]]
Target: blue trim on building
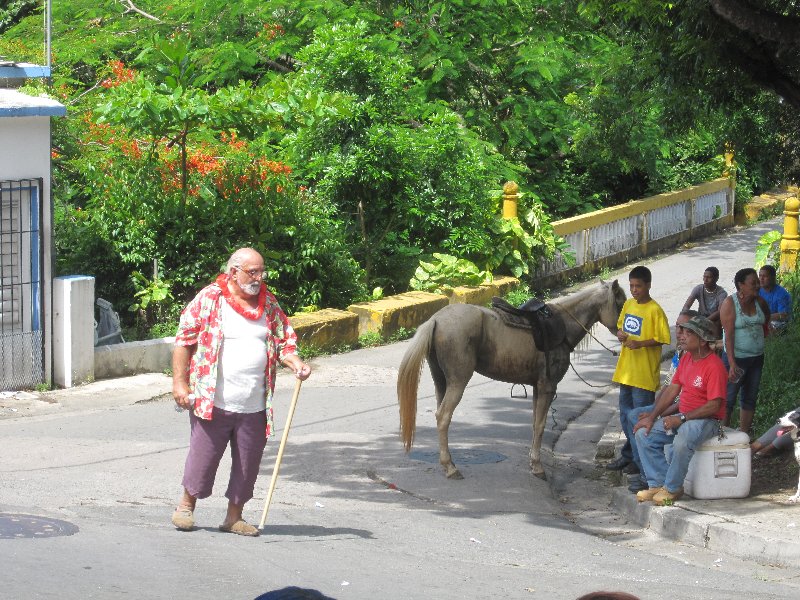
[[36, 296], [24, 71], [17, 104]]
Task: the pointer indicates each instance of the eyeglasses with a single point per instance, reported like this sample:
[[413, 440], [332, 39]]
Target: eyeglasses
[[252, 273]]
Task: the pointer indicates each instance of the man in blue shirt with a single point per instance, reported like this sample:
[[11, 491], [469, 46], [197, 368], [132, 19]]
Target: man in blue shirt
[[778, 299]]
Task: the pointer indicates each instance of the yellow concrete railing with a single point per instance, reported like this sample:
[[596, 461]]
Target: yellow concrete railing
[[624, 233]]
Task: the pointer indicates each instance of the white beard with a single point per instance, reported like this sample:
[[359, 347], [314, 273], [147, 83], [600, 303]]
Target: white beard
[[251, 289]]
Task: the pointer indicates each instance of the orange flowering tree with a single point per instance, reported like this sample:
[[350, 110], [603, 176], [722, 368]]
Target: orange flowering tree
[[169, 172]]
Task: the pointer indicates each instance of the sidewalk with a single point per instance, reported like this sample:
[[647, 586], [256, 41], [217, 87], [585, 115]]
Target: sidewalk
[[764, 528]]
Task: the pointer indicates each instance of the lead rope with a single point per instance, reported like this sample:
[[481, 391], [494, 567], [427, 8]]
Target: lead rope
[[574, 318], [586, 382], [613, 352]]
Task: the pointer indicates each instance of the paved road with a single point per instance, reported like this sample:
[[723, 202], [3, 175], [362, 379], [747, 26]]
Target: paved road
[[353, 516]]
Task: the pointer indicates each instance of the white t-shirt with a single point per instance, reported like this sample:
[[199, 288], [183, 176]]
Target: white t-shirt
[[242, 363]]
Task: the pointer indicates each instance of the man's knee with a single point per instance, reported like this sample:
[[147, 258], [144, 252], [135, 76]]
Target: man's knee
[[641, 437]]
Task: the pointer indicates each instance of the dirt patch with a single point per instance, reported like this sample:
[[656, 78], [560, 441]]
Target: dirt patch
[[775, 477]]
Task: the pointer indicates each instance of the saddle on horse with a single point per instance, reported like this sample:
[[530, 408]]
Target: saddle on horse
[[546, 323]]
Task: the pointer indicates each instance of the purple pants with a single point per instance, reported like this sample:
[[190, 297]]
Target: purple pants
[[247, 434]]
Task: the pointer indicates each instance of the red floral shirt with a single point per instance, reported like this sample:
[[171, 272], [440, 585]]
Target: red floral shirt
[[201, 325]]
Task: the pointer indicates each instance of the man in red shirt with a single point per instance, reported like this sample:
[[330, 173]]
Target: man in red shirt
[[701, 381]]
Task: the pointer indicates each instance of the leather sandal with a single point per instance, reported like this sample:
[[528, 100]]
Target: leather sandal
[[241, 527], [183, 518], [648, 494]]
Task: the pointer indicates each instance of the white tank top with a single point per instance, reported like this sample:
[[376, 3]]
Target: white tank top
[[242, 363]]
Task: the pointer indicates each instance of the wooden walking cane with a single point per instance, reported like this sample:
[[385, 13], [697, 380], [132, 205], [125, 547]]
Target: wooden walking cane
[[280, 452]]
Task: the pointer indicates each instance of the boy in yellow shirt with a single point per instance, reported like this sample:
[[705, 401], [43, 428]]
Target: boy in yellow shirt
[[643, 328]]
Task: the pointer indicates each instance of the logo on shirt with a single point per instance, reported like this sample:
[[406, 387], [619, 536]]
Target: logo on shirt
[[632, 324], [698, 382]]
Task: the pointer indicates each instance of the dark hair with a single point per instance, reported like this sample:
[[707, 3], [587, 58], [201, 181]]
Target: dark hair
[[294, 593], [742, 274], [642, 273], [689, 313], [608, 596], [714, 271], [769, 269]]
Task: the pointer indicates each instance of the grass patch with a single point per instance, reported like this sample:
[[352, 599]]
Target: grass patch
[[779, 391]]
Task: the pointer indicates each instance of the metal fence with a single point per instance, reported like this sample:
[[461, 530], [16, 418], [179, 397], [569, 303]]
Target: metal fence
[[21, 268]]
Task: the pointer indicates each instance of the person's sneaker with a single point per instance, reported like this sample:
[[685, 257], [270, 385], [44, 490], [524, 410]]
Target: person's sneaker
[[183, 518], [666, 498], [648, 494], [631, 469], [619, 464], [636, 485]]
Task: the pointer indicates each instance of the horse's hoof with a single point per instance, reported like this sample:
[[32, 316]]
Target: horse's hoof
[[454, 474]]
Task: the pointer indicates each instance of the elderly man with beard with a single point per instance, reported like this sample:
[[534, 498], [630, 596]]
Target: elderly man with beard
[[230, 340]]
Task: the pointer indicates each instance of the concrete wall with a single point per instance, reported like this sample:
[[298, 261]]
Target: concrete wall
[[131, 358], [324, 329], [73, 330]]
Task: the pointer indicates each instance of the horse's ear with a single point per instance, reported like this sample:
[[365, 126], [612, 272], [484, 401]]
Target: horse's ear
[[615, 284]]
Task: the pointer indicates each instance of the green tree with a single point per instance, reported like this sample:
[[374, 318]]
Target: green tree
[[409, 176]]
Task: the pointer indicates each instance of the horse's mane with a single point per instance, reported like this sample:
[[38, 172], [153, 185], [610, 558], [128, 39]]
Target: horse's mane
[[576, 298]]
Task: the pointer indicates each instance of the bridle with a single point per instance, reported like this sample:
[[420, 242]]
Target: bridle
[[613, 352], [574, 318]]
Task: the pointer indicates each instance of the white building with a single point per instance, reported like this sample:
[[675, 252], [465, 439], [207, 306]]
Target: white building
[[26, 264]]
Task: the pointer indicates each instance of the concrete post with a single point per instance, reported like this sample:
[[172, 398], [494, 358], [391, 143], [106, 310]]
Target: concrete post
[[730, 167], [510, 198], [73, 330], [790, 241]]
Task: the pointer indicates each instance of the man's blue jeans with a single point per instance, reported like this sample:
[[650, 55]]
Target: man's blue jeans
[[633, 418], [689, 437], [630, 398]]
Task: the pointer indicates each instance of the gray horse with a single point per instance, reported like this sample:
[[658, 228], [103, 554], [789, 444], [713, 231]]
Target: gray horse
[[461, 339]]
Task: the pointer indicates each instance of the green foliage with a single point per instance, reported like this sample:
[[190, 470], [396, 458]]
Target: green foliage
[[149, 291], [519, 295], [380, 130], [779, 391], [152, 299], [163, 329], [372, 339], [519, 245], [412, 179], [447, 271], [768, 249], [13, 11]]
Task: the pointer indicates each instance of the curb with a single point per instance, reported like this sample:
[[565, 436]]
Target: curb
[[707, 524], [683, 522]]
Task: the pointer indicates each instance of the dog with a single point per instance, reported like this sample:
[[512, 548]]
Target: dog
[[790, 425]]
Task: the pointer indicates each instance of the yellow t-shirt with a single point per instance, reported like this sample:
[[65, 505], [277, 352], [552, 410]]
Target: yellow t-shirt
[[640, 368]]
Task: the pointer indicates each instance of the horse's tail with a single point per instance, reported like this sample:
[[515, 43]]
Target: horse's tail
[[408, 380]]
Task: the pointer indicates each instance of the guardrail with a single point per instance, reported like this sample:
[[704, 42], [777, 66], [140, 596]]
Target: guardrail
[[624, 233]]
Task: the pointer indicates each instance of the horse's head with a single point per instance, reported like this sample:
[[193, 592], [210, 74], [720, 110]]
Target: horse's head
[[609, 311]]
